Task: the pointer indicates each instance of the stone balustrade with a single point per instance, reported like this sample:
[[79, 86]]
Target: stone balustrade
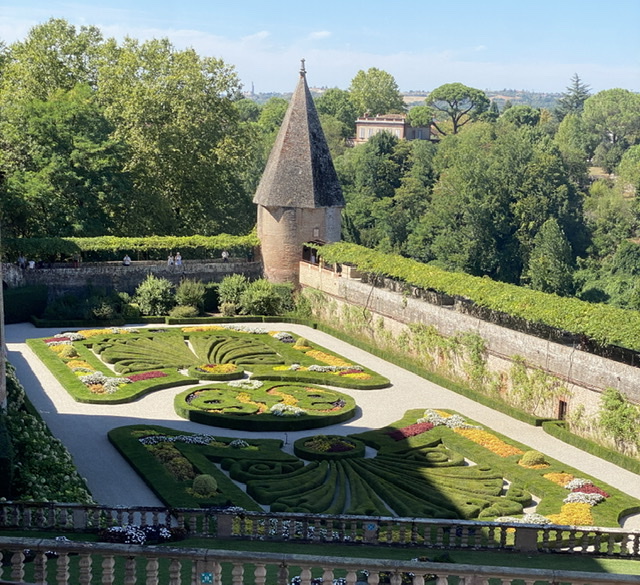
[[42, 562], [371, 530]]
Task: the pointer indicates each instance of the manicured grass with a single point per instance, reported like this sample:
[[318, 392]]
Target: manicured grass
[[238, 408], [422, 475]]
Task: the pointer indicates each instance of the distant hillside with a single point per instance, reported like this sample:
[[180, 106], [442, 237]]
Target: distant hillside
[[416, 98]]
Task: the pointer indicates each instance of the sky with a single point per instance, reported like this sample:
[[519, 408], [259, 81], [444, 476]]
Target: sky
[[486, 44]]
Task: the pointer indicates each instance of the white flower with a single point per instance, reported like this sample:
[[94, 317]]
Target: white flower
[[281, 409], [582, 498], [245, 384], [576, 483]]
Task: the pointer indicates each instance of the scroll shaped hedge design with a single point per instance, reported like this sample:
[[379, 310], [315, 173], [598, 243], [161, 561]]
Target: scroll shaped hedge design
[[604, 324], [271, 407]]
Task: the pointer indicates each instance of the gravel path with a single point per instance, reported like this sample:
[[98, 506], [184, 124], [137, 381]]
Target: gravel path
[[83, 427]]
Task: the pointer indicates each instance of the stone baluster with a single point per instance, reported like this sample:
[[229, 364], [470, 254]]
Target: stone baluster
[[305, 576], [260, 574], [152, 572], [237, 574], [130, 571], [62, 569], [255, 529], [396, 578], [316, 536], [175, 566], [329, 534], [414, 533], [108, 564], [442, 580], [217, 573], [84, 565], [418, 579], [351, 577], [40, 569], [403, 534], [17, 566], [373, 578], [193, 524], [283, 574], [611, 544], [327, 576]]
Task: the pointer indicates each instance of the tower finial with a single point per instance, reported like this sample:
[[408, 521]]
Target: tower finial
[[303, 71]]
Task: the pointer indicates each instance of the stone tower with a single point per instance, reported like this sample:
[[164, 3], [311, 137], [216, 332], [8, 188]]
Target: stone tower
[[299, 197]]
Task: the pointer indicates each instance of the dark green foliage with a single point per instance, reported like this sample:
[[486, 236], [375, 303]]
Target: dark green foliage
[[155, 296], [184, 312], [205, 485], [619, 419], [210, 297], [6, 459], [191, 293], [20, 304]]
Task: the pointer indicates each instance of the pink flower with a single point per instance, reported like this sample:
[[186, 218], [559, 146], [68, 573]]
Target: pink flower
[[410, 431], [147, 376]]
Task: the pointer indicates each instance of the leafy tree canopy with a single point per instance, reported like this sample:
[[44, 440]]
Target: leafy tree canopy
[[458, 103], [375, 92]]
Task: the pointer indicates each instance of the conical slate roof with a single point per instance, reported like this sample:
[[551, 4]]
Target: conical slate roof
[[300, 172]]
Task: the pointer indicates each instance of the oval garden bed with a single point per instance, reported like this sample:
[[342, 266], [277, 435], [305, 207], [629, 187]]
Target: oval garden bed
[[321, 447], [217, 372], [254, 405]]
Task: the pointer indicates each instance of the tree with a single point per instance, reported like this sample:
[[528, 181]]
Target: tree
[[572, 100], [572, 141], [459, 104], [522, 115], [420, 116], [248, 109], [338, 104], [619, 418], [375, 92], [176, 113], [629, 171], [613, 117], [272, 114], [550, 264], [63, 170]]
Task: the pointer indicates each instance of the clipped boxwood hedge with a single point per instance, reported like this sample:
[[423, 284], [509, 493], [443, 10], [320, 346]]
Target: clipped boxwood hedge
[[197, 372], [248, 417], [604, 324]]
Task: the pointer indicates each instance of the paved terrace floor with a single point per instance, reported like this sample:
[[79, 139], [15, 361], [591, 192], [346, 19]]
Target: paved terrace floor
[[83, 427]]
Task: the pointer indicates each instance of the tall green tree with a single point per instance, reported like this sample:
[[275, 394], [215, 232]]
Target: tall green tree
[[175, 112], [572, 100], [338, 104], [612, 116], [63, 171], [375, 92], [458, 104], [550, 263]]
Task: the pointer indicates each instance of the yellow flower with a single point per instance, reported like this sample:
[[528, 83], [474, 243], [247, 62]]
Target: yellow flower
[[573, 514], [79, 364], [489, 441], [561, 479], [194, 328], [358, 376], [538, 466], [94, 332], [280, 368], [325, 358], [442, 413], [219, 368], [58, 348]]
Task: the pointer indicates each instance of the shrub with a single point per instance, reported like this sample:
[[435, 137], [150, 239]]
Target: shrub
[[23, 302], [231, 288], [154, 296], [205, 485], [228, 309], [184, 312], [211, 297], [64, 307], [191, 293], [262, 297], [531, 458]]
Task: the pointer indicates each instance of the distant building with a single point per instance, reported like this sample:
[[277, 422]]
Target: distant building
[[395, 124]]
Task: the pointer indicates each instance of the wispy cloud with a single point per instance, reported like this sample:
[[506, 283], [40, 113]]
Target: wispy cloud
[[318, 35]]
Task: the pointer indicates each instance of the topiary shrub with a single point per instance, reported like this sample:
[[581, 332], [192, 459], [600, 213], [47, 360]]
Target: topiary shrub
[[205, 485], [191, 293], [184, 312], [154, 296], [532, 458]]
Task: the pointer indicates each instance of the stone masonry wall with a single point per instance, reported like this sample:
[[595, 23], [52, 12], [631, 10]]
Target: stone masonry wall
[[585, 375], [63, 278]]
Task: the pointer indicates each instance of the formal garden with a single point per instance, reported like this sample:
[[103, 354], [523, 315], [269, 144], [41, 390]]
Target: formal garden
[[429, 464]]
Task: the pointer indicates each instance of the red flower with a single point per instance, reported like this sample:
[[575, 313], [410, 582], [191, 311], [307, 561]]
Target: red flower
[[410, 431], [147, 376], [591, 489], [53, 339]]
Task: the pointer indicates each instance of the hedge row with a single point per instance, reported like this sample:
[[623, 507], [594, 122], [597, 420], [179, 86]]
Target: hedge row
[[113, 248], [6, 459], [22, 302], [603, 324]]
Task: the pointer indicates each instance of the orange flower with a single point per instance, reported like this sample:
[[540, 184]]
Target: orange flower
[[325, 358], [560, 479]]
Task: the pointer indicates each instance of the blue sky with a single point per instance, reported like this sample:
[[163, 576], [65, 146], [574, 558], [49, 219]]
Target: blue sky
[[488, 44]]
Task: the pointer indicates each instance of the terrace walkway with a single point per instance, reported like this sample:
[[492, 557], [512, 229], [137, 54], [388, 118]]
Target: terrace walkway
[[83, 427]]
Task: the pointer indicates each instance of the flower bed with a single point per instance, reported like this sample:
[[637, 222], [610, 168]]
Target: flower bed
[[220, 372], [267, 406], [320, 447]]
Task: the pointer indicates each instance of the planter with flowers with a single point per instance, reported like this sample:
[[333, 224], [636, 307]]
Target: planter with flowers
[[219, 372]]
